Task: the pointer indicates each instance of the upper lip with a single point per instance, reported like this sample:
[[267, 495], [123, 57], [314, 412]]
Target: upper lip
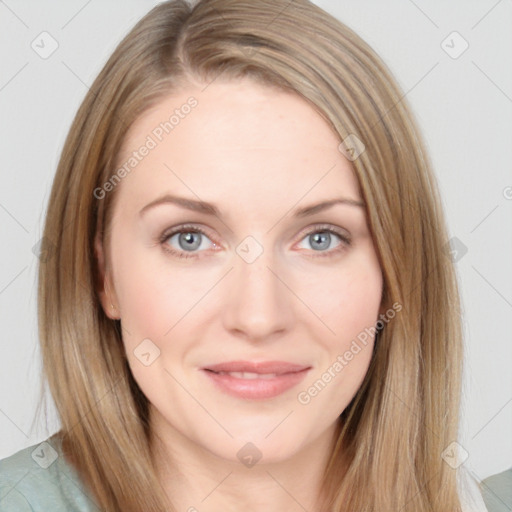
[[262, 367]]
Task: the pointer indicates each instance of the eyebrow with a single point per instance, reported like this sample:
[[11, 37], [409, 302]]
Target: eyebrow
[[210, 209]]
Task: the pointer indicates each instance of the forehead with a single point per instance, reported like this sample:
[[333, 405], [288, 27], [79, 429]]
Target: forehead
[[235, 138]]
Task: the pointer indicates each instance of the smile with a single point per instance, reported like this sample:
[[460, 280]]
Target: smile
[[255, 381]]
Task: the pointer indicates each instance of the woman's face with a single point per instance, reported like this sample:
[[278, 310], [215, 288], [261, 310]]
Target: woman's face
[[244, 327]]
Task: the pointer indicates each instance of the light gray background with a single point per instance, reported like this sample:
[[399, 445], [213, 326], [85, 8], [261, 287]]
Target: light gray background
[[464, 107]]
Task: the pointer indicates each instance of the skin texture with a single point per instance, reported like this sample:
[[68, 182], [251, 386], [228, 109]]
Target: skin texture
[[258, 154]]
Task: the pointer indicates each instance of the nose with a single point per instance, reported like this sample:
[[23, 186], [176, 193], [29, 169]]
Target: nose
[[258, 306]]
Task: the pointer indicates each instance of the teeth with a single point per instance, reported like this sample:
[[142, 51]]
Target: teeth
[[249, 375]]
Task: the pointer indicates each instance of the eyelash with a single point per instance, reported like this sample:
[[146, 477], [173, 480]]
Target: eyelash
[[321, 228]]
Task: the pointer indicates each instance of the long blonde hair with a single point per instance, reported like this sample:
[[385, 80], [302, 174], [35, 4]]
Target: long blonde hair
[[407, 410]]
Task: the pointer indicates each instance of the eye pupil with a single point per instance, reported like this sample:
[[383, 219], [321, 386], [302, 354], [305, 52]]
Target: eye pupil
[[323, 238], [188, 238]]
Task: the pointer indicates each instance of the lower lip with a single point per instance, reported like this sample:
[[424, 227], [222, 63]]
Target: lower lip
[[256, 389]]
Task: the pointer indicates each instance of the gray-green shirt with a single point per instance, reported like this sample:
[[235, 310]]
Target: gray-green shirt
[[39, 479], [497, 492]]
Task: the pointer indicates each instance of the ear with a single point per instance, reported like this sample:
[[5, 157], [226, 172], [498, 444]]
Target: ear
[[104, 286]]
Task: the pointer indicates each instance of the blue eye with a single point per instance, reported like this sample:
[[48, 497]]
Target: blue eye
[[321, 239], [188, 240], [191, 241]]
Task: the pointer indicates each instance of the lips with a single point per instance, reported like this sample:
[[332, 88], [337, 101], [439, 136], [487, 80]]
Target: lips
[[255, 380], [260, 368]]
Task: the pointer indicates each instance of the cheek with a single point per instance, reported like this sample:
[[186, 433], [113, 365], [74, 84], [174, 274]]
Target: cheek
[[347, 299], [349, 307], [153, 300], [142, 289], [157, 297]]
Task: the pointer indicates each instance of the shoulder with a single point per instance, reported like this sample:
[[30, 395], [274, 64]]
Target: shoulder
[[39, 478], [497, 491]]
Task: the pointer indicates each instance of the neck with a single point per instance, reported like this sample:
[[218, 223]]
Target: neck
[[197, 480]]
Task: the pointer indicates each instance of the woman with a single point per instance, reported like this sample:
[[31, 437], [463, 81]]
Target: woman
[[250, 304]]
